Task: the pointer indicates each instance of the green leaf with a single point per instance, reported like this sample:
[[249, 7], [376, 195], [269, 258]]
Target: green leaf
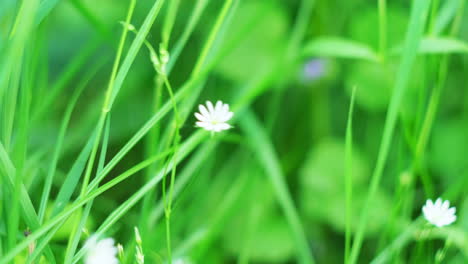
[[339, 48], [257, 37], [373, 82], [436, 45], [431, 45], [322, 179]]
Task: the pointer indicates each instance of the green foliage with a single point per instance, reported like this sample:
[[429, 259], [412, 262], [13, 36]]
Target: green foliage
[[348, 115], [322, 182], [339, 48], [265, 25]]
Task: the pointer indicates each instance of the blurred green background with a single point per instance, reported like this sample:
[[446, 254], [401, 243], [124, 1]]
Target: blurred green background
[[228, 200]]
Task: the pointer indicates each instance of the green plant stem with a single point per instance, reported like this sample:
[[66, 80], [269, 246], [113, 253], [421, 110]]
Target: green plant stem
[[100, 125], [212, 37], [153, 137], [383, 29], [433, 16]]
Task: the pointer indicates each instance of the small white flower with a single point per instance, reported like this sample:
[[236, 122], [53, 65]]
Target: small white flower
[[100, 251], [439, 213], [214, 118]]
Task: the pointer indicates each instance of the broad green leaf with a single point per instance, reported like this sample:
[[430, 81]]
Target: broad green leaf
[[373, 82], [339, 48], [322, 179], [259, 35]]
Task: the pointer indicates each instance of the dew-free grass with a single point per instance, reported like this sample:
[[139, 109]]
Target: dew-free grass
[[99, 141]]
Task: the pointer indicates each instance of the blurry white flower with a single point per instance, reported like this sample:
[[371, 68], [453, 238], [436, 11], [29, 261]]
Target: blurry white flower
[[214, 118], [100, 251], [439, 213]]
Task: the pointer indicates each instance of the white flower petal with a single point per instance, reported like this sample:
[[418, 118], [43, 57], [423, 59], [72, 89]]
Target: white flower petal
[[203, 111], [429, 203], [452, 210], [100, 251], [226, 117], [219, 106], [445, 205], [210, 107], [205, 125], [201, 117], [222, 126], [213, 118], [439, 213], [202, 124]]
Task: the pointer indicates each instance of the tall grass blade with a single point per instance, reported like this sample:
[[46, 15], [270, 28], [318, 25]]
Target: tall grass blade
[[419, 13]]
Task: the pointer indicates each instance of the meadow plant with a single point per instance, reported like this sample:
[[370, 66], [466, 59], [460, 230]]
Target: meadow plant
[[101, 128]]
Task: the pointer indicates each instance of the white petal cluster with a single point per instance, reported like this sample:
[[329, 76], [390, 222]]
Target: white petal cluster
[[439, 213], [100, 251], [214, 118]]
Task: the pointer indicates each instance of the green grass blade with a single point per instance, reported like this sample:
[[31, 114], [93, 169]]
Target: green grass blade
[[64, 79], [180, 44], [339, 48], [184, 177], [183, 151], [406, 236], [65, 213], [446, 14], [28, 211], [265, 153], [61, 136], [76, 234], [93, 20], [193, 85], [349, 176], [418, 18], [132, 52], [72, 178], [45, 7], [433, 45]]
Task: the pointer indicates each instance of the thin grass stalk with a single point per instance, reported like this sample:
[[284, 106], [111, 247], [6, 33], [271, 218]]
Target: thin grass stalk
[[349, 176], [416, 27]]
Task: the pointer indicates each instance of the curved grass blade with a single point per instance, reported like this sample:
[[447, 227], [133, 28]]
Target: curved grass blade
[[266, 155], [339, 48], [61, 136]]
